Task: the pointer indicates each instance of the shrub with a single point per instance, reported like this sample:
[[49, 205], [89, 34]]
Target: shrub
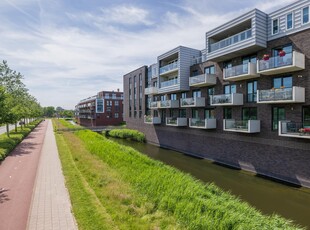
[[7, 144], [127, 134]]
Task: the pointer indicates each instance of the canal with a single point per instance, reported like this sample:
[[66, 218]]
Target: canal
[[267, 196]]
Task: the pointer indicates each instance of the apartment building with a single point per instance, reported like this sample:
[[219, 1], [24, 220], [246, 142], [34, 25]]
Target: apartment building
[[105, 108], [243, 100]]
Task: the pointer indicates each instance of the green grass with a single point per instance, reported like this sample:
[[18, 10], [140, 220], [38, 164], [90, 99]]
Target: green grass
[[100, 198], [137, 192], [7, 144], [127, 134]]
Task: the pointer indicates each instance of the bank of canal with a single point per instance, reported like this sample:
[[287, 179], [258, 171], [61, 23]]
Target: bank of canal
[[267, 196]]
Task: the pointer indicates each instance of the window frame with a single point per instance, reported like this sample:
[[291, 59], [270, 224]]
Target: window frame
[[292, 21], [302, 15], [272, 26]]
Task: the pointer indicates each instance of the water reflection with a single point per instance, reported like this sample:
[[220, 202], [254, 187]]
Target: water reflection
[[268, 196]]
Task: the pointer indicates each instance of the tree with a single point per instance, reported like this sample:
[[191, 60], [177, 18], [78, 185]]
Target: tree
[[17, 103], [49, 111]]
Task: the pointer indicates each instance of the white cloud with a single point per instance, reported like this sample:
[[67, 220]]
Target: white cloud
[[128, 15], [66, 62]]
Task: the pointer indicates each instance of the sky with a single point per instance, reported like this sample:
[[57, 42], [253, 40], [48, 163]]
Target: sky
[[68, 50]]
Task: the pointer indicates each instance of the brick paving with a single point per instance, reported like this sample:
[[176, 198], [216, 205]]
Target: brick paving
[[50, 206]]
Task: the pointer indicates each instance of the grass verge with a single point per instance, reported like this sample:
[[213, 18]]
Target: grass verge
[[100, 198], [7, 144], [131, 191], [130, 134]]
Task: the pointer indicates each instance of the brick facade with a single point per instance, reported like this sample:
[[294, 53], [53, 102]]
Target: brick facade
[[265, 152], [113, 110]]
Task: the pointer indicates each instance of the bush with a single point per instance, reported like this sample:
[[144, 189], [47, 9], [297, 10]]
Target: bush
[[126, 134], [7, 144]]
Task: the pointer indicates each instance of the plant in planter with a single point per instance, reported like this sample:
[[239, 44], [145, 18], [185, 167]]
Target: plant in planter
[[282, 53], [266, 57]]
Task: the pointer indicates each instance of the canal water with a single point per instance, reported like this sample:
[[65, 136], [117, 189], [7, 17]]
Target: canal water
[[266, 195]]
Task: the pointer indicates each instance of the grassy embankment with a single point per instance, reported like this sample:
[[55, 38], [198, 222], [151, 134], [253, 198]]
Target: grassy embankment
[[130, 134], [7, 144], [115, 187]]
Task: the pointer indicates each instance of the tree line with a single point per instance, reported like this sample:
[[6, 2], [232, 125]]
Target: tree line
[[16, 104]]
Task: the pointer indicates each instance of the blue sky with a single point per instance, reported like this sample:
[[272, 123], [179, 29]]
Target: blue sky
[[68, 50]]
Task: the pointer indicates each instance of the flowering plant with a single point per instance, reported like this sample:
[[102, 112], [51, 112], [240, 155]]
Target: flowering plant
[[266, 57], [282, 53]]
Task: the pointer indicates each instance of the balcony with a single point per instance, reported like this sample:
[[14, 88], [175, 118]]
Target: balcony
[[151, 90], [202, 123], [240, 72], [169, 83], [193, 102], [202, 80], [154, 105], [152, 120], [169, 104], [249, 126], [168, 68], [176, 121], [285, 95], [294, 129], [231, 40], [227, 99], [275, 65]]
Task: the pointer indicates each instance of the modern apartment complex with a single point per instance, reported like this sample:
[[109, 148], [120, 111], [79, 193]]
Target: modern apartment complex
[[243, 101], [105, 108]]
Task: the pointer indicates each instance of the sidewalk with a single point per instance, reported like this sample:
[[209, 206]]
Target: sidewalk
[[50, 206]]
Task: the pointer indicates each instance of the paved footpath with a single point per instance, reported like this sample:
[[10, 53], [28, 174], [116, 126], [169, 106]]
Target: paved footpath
[[32, 191]]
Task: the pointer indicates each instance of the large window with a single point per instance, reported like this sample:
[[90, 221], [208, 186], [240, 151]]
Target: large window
[[183, 95], [209, 114], [305, 15], [196, 93], [195, 113], [283, 82], [173, 96], [227, 113], [182, 113], [99, 105], [289, 21], [229, 89], [251, 91], [275, 26], [210, 70], [278, 114], [249, 113], [306, 116]]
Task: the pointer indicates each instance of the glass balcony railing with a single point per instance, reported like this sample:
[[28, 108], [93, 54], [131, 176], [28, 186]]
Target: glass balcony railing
[[172, 121], [165, 104], [203, 80], [153, 105], [231, 40], [168, 68], [221, 99], [294, 129], [169, 83], [197, 122], [276, 94], [275, 62], [193, 102], [244, 126]]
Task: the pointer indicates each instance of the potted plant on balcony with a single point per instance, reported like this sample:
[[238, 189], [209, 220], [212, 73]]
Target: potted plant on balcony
[[266, 57], [282, 53]]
